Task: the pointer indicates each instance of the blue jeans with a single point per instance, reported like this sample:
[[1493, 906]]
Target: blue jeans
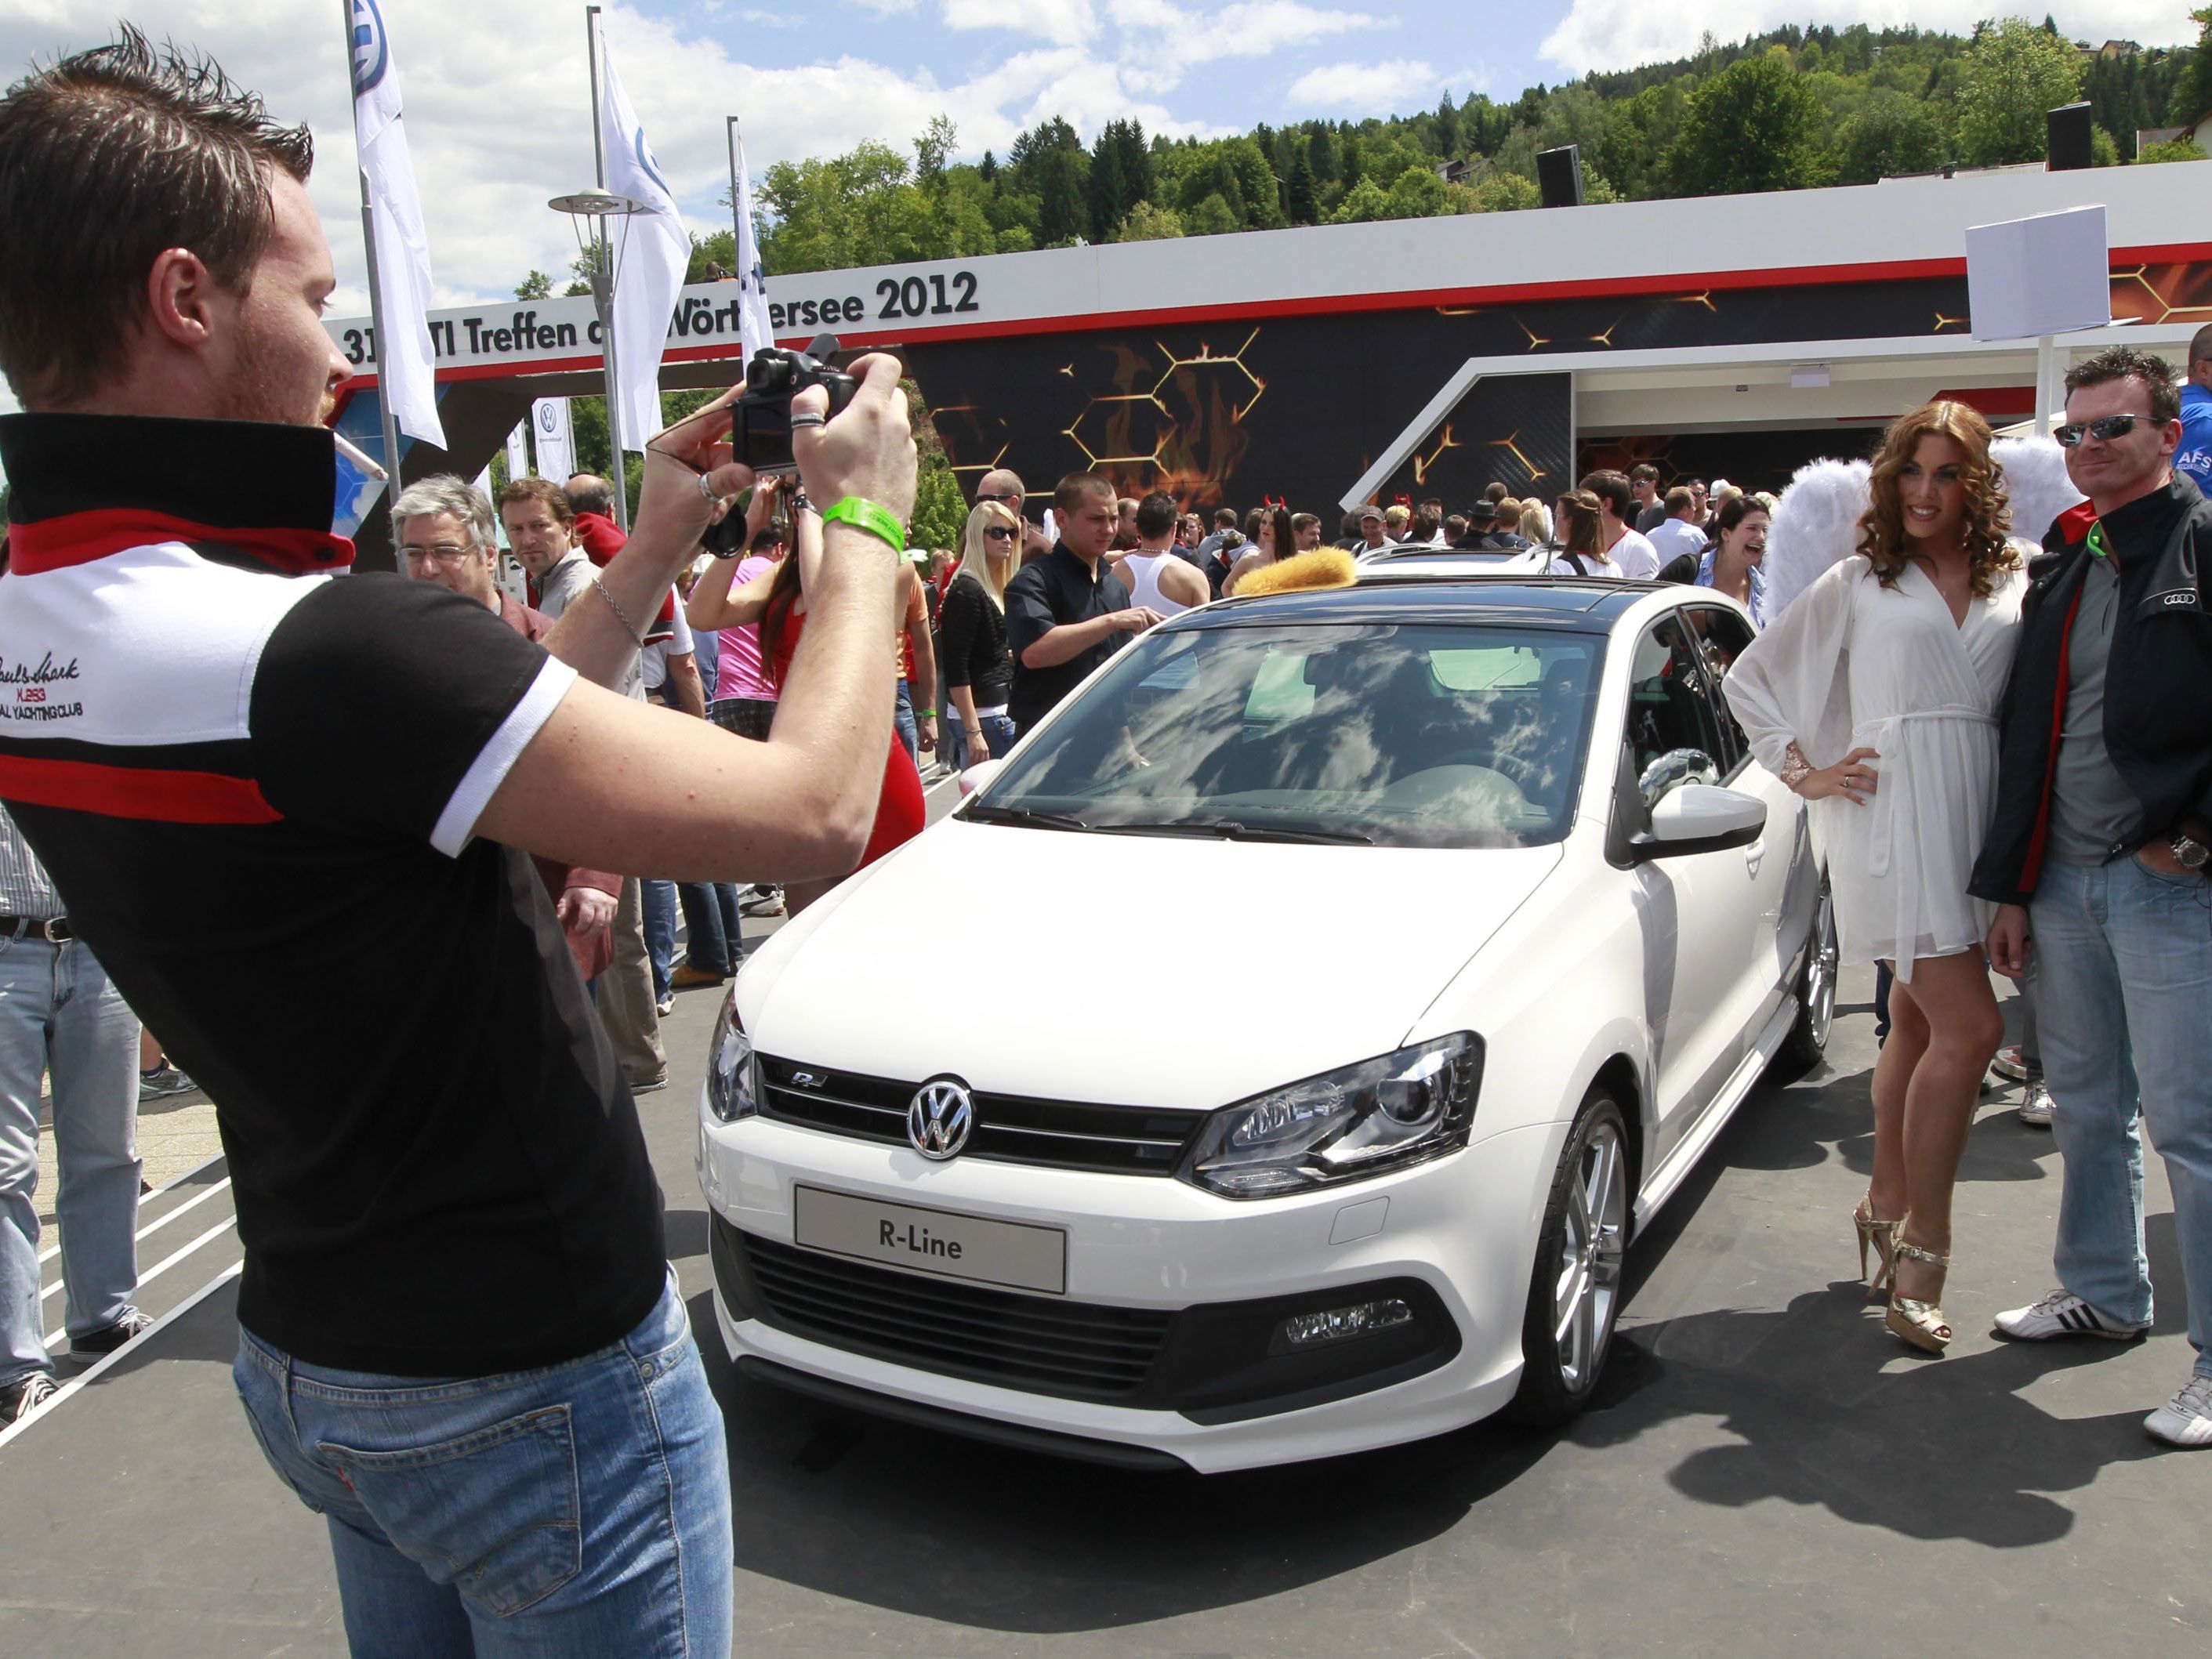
[[711, 922], [59, 1010], [903, 722], [998, 731], [581, 1510], [2126, 984]]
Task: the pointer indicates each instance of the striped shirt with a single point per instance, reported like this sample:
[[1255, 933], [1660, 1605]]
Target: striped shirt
[[26, 888]]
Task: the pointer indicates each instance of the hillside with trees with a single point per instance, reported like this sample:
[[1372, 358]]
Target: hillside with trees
[[1786, 110]]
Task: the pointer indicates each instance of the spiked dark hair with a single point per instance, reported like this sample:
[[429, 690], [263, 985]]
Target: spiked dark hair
[[108, 158]]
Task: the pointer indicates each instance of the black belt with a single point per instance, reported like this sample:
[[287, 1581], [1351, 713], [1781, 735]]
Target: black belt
[[54, 931]]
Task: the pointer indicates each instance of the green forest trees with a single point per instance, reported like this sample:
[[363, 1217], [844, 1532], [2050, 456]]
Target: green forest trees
[[1786, 109]]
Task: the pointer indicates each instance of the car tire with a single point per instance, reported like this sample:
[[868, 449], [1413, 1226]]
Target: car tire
[[1801, 1051], [1574, 1295]]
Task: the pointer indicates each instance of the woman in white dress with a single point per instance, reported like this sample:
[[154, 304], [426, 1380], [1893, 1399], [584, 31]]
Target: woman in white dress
[[1876, 695]]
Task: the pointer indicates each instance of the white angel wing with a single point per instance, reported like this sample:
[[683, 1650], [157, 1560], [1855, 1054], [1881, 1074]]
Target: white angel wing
[[2035, 479], [1816, 526]]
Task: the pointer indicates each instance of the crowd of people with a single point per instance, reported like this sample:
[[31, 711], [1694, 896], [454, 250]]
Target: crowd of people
[[366, 817]]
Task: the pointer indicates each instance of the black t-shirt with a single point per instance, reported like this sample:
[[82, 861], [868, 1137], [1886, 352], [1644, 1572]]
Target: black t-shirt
[[1047, 593], [258, 800]]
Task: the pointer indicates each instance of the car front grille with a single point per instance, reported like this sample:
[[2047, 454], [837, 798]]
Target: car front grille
[[1075, 1350], [1009, 1128]]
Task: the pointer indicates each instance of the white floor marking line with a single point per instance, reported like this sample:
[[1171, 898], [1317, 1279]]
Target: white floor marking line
[[54, 1250], [160, 1268], [105, 1360], [190, 1203]]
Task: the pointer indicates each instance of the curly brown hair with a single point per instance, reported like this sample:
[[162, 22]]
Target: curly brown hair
[[1989, 515]]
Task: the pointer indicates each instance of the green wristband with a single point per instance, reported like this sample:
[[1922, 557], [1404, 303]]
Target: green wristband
[[864, 514]]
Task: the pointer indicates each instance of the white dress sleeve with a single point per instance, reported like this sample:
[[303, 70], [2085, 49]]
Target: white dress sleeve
[[1791, 684]]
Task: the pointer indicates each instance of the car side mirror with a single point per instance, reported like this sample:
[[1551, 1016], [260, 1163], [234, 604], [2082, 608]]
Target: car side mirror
[[1699, 817], [1673, 769], [978, 775]]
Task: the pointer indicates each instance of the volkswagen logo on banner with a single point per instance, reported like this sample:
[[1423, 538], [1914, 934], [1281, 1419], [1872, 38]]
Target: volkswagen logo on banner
[[370, 53], [940, 1119]]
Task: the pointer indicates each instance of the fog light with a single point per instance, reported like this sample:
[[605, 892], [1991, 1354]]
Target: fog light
[[1309, 1330]]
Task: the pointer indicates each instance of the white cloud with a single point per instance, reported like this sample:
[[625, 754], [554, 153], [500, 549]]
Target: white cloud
[[1069, 22], [1403, 83], [1617, 34]]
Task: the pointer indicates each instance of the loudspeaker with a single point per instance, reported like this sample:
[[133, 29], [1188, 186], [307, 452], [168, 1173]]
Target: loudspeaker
[[1559, 174], [2066, 134]]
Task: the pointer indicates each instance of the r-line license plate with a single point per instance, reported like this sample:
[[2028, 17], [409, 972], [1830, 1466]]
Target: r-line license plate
[[924, 1240]]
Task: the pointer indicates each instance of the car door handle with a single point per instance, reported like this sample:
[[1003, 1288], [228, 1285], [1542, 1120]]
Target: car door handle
[[1754, 856]]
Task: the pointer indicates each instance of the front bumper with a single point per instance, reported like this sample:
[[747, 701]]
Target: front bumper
[[1206, 1280]]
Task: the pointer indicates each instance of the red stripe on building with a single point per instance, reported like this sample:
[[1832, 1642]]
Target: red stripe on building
[[80, 537], [129, 792]]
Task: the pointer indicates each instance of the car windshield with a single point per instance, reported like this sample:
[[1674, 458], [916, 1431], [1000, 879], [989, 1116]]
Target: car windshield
[[1392, 734]]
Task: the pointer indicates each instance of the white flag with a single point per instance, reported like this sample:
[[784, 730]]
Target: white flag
[[518, 454], [549, 430], [405, 358], [752, 282], [654, 250]]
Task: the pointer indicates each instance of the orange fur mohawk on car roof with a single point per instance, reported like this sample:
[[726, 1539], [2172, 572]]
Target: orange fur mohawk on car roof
[[1324, 567]]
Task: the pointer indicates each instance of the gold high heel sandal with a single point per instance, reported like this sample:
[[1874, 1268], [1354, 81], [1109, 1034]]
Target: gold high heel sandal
[[1921, 1323], [1881, 1236]]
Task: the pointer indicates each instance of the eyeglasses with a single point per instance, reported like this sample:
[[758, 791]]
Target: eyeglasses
[[1003, 495], [444, 552], [2107, 428], [999, 533]]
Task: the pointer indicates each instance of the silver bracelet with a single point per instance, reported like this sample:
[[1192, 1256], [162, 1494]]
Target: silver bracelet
[[636, 634]]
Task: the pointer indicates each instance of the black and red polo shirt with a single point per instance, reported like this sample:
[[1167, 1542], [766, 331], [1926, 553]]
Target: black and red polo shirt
[[255, 779]]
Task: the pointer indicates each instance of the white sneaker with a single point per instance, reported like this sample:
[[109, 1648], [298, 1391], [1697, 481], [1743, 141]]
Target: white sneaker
[[2062, 1312], [2036, 1107], [2007, 1064], [2185, 1419]]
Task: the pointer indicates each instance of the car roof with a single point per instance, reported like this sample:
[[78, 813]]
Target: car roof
[[1590, 603]]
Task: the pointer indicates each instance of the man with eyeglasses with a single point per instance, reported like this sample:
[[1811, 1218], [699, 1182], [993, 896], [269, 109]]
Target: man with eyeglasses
[[443, 529], [2098, 861]]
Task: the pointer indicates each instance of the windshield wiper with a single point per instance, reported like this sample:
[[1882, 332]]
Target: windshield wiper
[[979, 813], [1232, 830]]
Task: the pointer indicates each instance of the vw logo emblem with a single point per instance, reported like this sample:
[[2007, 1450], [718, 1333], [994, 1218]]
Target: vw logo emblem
[[938, 1119], [370, 53]]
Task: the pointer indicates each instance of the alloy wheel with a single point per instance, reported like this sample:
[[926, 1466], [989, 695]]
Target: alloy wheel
[[1594, 1246]]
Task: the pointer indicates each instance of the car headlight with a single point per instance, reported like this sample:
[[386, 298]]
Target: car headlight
[[1380, 1115], [732, 1073]]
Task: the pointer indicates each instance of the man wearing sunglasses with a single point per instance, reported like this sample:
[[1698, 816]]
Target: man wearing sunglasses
[[1004, 485], [2098, 861]]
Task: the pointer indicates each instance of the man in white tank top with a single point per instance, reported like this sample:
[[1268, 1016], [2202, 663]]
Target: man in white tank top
[[1154, 574]]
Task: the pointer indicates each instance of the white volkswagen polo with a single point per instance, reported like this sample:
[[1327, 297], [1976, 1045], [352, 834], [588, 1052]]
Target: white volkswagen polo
[[1274, 1058]]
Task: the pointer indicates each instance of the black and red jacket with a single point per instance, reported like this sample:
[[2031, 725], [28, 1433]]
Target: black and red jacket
[[2158, 683]]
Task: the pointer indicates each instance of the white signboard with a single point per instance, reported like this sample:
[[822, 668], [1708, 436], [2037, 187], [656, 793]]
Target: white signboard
[[2048, 275]]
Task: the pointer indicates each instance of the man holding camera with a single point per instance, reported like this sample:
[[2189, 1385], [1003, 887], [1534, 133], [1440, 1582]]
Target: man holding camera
[[461, 1341]]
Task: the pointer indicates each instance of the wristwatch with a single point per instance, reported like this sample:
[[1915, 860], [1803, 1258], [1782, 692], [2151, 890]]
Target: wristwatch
[[2189, 852]]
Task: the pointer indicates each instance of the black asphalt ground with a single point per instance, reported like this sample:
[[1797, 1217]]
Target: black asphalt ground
[[1768, 1472]]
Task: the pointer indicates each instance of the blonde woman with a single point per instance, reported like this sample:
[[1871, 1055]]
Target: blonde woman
[[1875, 695], [1535, 522], [977, 663]]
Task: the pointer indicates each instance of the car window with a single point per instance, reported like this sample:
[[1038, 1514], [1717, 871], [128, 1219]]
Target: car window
[[1430, 734], [1669, 706], [1725, 635]]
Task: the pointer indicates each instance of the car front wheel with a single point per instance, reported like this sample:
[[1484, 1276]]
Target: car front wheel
[[1575, 1295]]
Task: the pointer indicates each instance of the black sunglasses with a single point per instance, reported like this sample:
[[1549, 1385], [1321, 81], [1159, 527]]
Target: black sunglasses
[[999, 533], [2107, 428], [1005, 495]]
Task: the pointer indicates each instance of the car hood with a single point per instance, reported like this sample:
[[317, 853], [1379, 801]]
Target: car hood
[[1149, 970]]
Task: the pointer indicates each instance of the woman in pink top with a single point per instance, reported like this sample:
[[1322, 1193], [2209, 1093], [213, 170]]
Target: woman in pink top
[[744, 691]]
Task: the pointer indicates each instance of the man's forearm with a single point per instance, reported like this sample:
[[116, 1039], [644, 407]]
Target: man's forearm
[[685, 689], [1067, 642]]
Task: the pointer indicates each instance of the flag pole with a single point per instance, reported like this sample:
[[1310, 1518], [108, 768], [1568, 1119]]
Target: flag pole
[[384, 409], [736, 208], [603, 291]]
